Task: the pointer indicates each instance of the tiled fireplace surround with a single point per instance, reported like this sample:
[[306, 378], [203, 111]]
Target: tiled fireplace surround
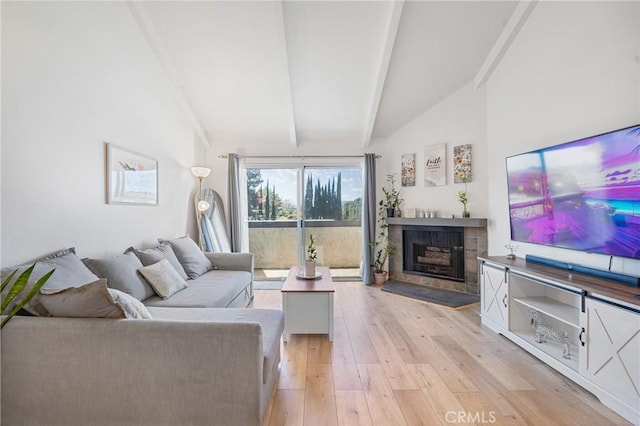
[[475, 244]]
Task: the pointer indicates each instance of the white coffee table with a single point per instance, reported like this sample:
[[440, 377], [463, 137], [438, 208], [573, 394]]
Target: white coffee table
[[308, 304]]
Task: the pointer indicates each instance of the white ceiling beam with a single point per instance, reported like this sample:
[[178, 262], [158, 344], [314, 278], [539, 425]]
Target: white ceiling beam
[[150, 33], [284, 59], [507, 36], [392, 31]]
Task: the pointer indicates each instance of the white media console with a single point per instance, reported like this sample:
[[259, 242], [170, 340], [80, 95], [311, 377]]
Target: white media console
[[586, 328]]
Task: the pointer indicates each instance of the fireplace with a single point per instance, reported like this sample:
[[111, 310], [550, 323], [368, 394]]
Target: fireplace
[[434, 251]]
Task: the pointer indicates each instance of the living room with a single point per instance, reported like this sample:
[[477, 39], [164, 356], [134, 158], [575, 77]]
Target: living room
[[77, 75]]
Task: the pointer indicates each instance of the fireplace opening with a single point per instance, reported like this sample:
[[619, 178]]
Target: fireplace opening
[[434, 251]]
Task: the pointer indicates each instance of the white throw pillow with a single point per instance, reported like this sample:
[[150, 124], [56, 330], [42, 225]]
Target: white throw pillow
[[88, 301], [133, 308], [163, 277]]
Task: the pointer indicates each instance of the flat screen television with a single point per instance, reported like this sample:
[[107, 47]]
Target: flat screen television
[[581, 195]]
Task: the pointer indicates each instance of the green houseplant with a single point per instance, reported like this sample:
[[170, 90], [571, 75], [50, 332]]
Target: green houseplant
[[383, 247], [16, 288], [392, 198], [462, 196], [312, 256]]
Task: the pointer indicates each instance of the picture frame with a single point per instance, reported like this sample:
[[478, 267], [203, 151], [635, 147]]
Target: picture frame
[[462, 163], [408, 167], [435, 165], [131, 178]]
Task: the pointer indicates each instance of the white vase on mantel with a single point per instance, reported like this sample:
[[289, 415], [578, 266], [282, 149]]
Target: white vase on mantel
[[310, 268]]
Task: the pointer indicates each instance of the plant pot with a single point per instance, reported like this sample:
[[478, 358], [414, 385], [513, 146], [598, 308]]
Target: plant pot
[[391, 212], [466, 213], [380, 277], [310, 268]]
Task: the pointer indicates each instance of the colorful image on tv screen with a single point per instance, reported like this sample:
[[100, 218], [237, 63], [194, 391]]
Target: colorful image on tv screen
[[582, 195]]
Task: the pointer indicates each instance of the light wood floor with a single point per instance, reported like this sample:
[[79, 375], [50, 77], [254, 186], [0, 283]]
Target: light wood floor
[[398, 361]]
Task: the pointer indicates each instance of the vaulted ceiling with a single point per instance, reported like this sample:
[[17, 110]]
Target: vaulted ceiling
[[315, 71]]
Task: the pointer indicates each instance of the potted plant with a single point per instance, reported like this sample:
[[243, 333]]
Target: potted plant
[[312, 256], [382, 245], [392, 198], [462, 197], [16, 288]]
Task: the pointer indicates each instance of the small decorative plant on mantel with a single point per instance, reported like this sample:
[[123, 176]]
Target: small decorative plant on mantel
[[462, 196], [312, 256], [384, 249], [392, 198]]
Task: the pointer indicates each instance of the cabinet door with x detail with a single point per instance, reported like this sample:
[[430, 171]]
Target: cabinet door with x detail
[[611, 350], [494, 299]]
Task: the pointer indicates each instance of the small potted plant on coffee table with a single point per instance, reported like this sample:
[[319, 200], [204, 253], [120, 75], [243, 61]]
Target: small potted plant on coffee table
[[312, 256]]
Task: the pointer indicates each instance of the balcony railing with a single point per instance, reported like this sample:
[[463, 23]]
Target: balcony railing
[[274, 243]]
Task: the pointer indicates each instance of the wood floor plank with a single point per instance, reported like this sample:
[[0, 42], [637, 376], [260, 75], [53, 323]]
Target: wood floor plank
[[320, 348], [394, 366], [288, 408], [352, 408], [345, 370], [383, 407], [479, 406], [409, 350], [436, 392], [455, 379], [363, 350], [416, 408], [319, 397], [293, 367]]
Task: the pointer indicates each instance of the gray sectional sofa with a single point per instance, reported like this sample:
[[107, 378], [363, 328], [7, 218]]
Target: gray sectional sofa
[[202, 359]]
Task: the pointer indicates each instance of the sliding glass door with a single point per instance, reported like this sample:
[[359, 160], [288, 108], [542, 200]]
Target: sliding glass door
[[285, 204]]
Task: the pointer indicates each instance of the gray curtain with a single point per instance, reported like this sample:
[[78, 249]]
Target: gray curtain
[[368, 217], [235, 231]]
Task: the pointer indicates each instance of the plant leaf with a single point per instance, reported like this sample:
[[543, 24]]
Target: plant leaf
[[17, 287], [34, 290], [5, 282]]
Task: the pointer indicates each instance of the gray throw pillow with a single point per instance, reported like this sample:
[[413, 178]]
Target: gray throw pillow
[[88, 301], [194, 262], [133, 308], [69, 272], [155, 255], [121, 273], [163, 278]]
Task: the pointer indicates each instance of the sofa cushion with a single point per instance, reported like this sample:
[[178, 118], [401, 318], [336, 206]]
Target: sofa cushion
[[219, 276], [270, 320], [122, 274], [197, 297], [69, 272], [88, 301], [164, 279], [194, 262], [154, 255], [133, 308]]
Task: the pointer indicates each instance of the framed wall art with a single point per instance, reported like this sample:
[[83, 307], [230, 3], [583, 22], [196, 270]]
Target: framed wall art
[[408, 170], [131, 178], [462, 163], [435, 168]]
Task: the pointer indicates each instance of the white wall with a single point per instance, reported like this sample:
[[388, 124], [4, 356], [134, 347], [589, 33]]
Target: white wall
[[75, 75], [573, 71], [457, 120]]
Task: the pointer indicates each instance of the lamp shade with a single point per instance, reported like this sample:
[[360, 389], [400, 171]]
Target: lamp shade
[[200, 172]]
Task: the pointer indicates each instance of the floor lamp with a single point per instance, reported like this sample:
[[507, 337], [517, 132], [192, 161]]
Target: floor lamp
[[201, 204]]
